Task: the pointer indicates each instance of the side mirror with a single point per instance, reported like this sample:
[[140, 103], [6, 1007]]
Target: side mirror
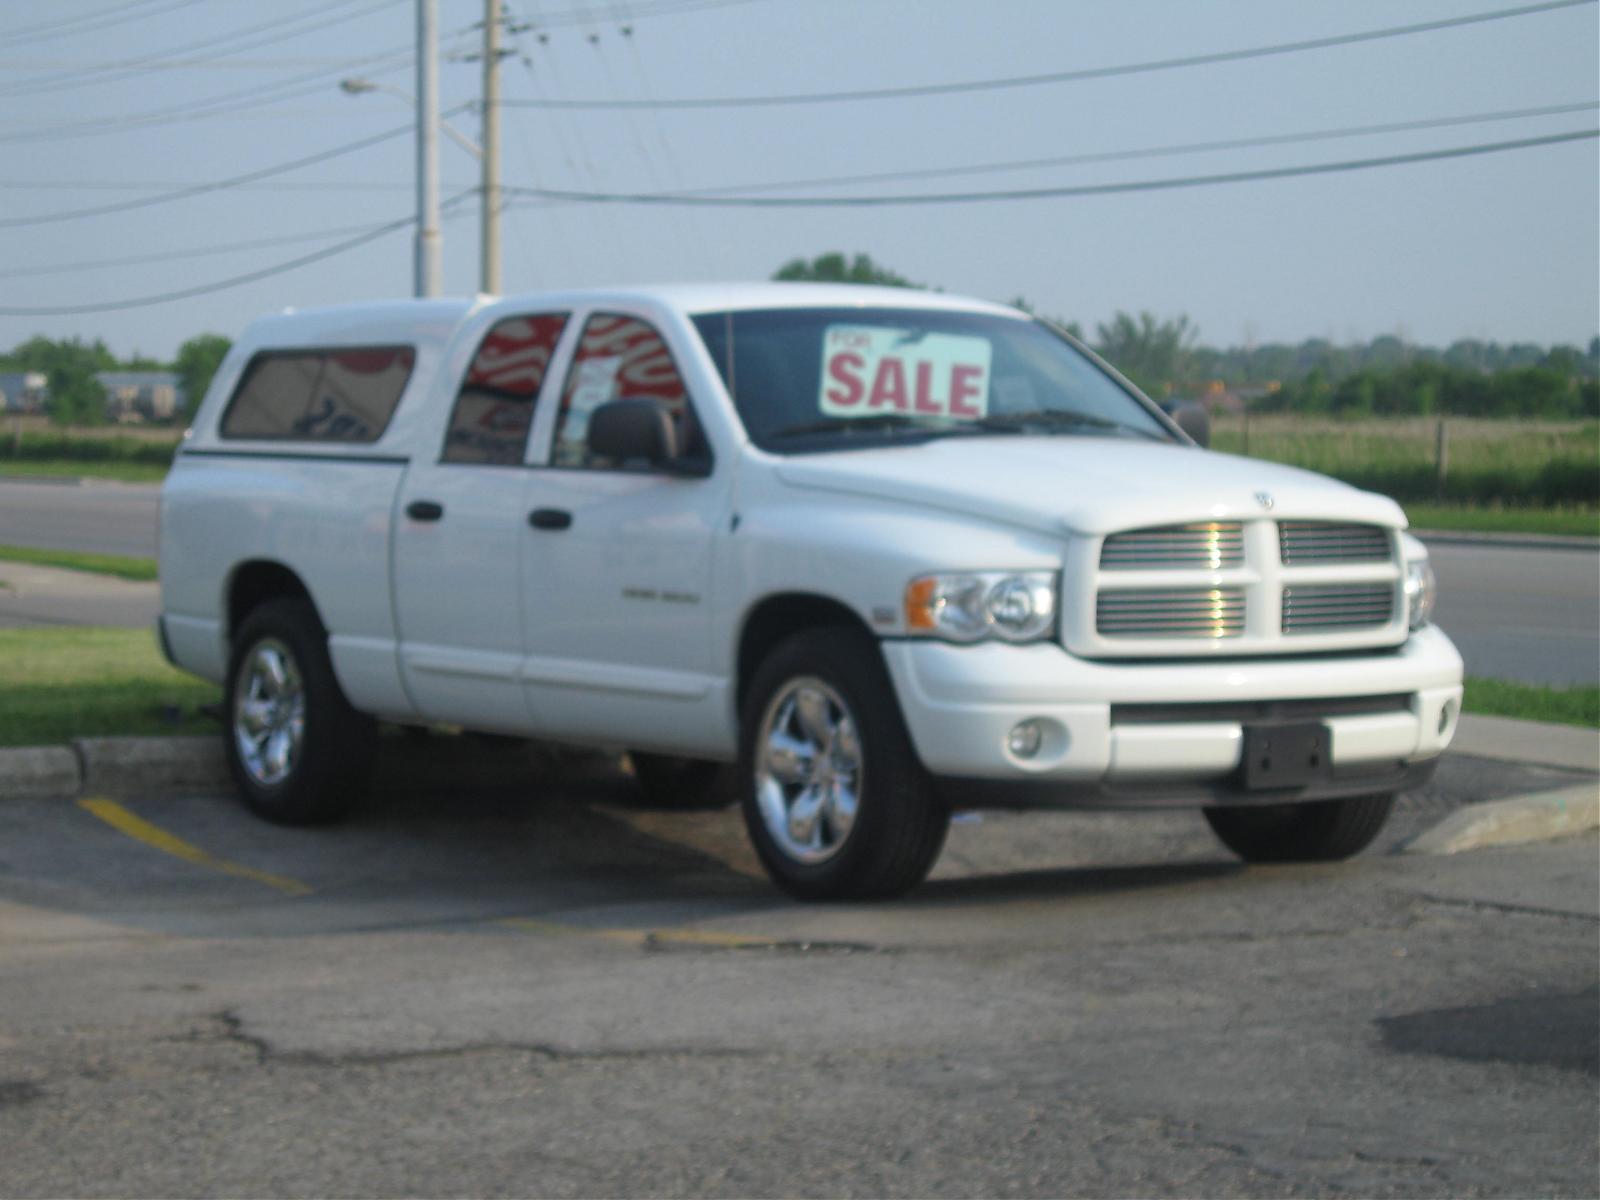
[[1193, 419], [630, 430]]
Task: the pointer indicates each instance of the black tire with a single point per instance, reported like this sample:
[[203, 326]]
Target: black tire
[[691, 783], [1321, 831], [899, 823], [321, 777]]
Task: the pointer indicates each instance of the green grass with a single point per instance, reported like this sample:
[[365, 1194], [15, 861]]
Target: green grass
[[58, 684], [66, 468], [140, 570], [1572, 522], [1490, 465], [1531, 702]]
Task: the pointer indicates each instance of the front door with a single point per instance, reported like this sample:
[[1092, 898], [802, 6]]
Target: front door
[[617, 569]]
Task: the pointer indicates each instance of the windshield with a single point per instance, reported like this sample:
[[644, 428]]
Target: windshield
[[835, 378]]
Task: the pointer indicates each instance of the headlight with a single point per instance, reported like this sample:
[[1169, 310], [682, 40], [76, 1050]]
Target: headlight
[[968, 606], [1422, 591]]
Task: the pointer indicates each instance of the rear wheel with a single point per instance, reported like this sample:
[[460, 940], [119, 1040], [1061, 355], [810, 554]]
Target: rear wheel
[[835, 801], [1321, 831], [298, 752]]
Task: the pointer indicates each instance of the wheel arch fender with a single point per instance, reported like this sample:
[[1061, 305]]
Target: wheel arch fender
[[254, 582], [778, 616]]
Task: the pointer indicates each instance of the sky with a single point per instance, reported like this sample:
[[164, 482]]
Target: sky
[[105, 103]]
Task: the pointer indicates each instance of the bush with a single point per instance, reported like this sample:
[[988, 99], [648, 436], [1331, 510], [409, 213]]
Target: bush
[[36, 447]]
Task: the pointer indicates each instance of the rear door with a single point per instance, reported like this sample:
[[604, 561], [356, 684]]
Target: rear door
[[459, 533]]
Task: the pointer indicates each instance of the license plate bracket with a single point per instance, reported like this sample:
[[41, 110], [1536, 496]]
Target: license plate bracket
[[1288, 755]]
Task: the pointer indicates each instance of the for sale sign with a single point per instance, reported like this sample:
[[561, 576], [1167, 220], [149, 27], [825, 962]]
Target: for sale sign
[[868, 370]]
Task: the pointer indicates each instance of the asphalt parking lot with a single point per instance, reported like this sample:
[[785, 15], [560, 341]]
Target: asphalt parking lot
[[534, 986]]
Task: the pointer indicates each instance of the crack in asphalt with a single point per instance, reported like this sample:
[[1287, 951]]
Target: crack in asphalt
[[14, 1093], [233, 1031], [1531, 910]]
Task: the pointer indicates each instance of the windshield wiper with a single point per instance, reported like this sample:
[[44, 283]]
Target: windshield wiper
[[1057, 418], [877, 422]]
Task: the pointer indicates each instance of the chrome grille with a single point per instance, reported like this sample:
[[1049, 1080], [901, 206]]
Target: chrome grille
[[1321, 608], [1171, 613], [1314, 543], [1212, 544]]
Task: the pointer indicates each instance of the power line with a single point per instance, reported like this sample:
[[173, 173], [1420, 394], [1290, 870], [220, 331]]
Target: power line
[[306, 83], [69, 26], [635, 12], [216, 186], [1021, 81], [162, 256], [990, 168], [257, 96], [1285, 139], [151, 185], [203, 289], [371, 235], [134, 67], [1100, 189]]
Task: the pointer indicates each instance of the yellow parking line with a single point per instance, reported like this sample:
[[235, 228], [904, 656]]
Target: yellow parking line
[[140, 830]]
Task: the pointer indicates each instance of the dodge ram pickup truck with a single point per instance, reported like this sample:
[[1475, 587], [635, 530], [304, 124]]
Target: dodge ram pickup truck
[[857, 557]]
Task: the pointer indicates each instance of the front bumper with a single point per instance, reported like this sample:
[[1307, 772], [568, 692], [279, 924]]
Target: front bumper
[[1169, 733]]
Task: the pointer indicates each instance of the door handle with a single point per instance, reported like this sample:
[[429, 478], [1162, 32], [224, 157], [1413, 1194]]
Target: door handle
[[550, 518], [424, 510]]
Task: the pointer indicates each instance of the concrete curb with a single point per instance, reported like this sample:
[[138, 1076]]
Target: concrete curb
[[1535, 743], [129, 763], [1536, 818], [37, 772], [111, 764]]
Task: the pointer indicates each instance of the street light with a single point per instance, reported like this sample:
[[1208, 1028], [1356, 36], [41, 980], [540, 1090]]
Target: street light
[[489, 192], [360, 87]]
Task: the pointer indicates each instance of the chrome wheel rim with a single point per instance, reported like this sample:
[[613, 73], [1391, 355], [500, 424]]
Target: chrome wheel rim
[[269, 713], [808, 770]]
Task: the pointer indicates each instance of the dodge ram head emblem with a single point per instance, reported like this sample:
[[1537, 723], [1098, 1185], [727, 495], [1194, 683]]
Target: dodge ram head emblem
[[1265, 499]]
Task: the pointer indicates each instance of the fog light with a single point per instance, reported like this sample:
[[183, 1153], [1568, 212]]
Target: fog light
[[1025, 739], [1445, 713]]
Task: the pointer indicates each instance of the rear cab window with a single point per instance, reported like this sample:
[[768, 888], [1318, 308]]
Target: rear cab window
[[494, 406], [319, 394]]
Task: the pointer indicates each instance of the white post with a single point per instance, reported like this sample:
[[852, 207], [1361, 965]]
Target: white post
[[490, 225], [430, 249]]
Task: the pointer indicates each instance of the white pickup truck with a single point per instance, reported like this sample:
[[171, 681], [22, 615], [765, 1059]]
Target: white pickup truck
[[890, 553]]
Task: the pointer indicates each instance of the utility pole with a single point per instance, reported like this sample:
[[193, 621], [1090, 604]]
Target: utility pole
[[490, 222], [430, 247]]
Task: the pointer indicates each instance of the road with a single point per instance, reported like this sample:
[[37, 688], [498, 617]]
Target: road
[[1531, 614], [1526, 614], [497, 990], [92, 517]]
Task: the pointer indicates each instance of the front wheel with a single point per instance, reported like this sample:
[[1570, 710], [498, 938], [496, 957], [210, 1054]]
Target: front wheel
[[296, 749], [1321, 831], [835, 801]]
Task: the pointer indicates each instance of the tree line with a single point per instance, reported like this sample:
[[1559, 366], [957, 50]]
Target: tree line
[[70, 365], [1386, 376]]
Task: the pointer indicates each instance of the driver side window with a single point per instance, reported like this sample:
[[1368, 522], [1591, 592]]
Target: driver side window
[[620, 358]]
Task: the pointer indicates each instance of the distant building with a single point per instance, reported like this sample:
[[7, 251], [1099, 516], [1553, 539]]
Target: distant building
[[141, 395], [22, 391], [1218, 397]]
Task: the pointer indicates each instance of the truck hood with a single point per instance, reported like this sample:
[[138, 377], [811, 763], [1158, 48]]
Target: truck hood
[[1086, 485]]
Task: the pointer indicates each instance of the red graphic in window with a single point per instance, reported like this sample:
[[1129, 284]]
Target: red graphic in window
[[514, 355]]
